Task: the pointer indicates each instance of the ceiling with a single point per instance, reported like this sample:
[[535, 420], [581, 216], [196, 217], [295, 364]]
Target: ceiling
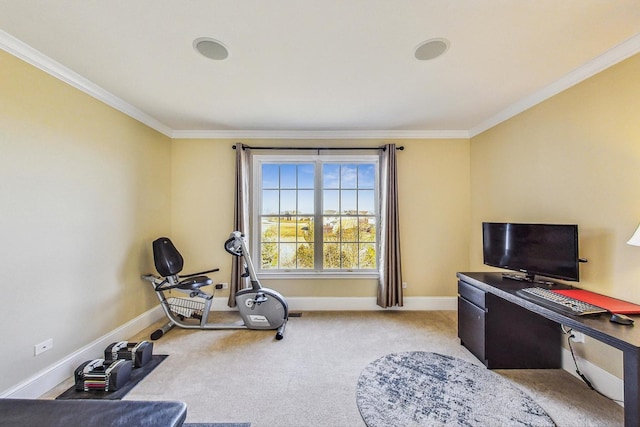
[[321, 67]]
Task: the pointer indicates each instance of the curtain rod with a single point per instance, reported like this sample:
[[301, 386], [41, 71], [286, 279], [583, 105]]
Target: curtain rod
[[318, 148]]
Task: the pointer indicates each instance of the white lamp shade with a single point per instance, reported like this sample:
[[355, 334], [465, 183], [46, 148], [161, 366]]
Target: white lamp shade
[[635, 239]]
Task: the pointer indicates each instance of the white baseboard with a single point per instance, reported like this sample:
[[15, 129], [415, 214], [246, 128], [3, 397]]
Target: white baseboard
[[606, 383], [354, 304], [45, 380], [369, 304], [48, 378]]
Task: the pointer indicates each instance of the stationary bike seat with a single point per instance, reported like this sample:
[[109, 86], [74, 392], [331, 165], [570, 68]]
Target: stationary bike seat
[[193, 283]]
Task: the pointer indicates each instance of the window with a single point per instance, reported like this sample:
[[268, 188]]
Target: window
[[315, 213]]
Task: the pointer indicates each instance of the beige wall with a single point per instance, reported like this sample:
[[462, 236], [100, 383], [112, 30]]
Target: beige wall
[[572, 159], [83, 190], [434, 202]]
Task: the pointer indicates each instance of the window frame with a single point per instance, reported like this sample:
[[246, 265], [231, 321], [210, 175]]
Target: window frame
[[317, 159]]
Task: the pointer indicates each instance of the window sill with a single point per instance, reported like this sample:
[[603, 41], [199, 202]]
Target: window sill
[[297, 275]]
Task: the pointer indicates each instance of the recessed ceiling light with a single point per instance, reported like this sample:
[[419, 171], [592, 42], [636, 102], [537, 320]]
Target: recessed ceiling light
[[211, 48], [431, 49]]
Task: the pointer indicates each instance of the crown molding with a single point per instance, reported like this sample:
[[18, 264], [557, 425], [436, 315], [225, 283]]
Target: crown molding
[[321, 134], [30, 55], [609, 58]]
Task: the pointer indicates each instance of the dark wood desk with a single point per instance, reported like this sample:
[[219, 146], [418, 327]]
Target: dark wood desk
[[498, 290]]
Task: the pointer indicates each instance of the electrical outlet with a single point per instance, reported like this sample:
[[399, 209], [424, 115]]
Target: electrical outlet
[[225, 285], [42, 347], [404, 285], [577, 336]]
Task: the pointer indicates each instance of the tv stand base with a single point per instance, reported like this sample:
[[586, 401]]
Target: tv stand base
[[528, 279]]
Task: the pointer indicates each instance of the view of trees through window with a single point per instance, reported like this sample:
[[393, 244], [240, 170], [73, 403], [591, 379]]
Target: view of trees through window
[[318, 215]]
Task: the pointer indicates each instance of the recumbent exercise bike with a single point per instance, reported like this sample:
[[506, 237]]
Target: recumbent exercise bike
[[259, 308]]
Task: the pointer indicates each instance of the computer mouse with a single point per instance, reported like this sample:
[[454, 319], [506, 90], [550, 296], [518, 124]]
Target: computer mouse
[[621, 319]]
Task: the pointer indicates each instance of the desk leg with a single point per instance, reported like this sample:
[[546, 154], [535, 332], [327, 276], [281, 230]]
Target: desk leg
[[631, 388]]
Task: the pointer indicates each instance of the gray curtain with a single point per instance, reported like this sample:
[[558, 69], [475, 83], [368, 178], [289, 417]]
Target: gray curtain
[[240, 218], [390, 284]]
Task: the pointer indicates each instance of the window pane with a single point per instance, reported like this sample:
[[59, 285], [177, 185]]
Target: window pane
[[348, 203], [287, 202], [269, 255], [305, 202], [269, 229], [330, 201], [287, 229], [270, 202], [367, 229], [349, 175], [331, 256], [366, 176], [287, 176], [305, 229], [270, 176], [349, 255], [287, 255], [330, 229], [305, 255], [367, 255], [330, 176], [349, 229], [366, 202], [306, 176]]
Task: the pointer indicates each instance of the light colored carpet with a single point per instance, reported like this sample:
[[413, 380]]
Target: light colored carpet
[[309, 378]]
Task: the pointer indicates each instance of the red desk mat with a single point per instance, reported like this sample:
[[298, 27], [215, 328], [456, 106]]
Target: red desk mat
[[612, 304]]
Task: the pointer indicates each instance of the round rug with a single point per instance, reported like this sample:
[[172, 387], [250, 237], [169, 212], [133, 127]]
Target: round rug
[[429, 389]]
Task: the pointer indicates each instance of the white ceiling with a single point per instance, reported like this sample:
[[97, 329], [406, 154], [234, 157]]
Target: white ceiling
[[321, 67]]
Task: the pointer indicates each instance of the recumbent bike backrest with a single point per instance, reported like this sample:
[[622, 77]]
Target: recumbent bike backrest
[[166, 257]]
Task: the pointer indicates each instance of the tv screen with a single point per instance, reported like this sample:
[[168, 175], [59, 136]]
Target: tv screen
[[549, 250]]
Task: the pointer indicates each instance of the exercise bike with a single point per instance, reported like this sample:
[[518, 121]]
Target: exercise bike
[[259, 308]]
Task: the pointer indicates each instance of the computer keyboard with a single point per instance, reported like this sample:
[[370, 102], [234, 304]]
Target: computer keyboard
[[559, 302]]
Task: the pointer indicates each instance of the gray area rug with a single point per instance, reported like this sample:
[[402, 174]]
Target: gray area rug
[[429, 389]]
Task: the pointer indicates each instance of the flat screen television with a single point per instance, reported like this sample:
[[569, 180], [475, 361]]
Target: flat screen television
[[549, 250]]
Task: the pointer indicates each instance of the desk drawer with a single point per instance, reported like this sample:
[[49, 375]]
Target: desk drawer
[[472, 294], [471, 328]]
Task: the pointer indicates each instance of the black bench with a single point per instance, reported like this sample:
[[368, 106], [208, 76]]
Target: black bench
[[91, 413]]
